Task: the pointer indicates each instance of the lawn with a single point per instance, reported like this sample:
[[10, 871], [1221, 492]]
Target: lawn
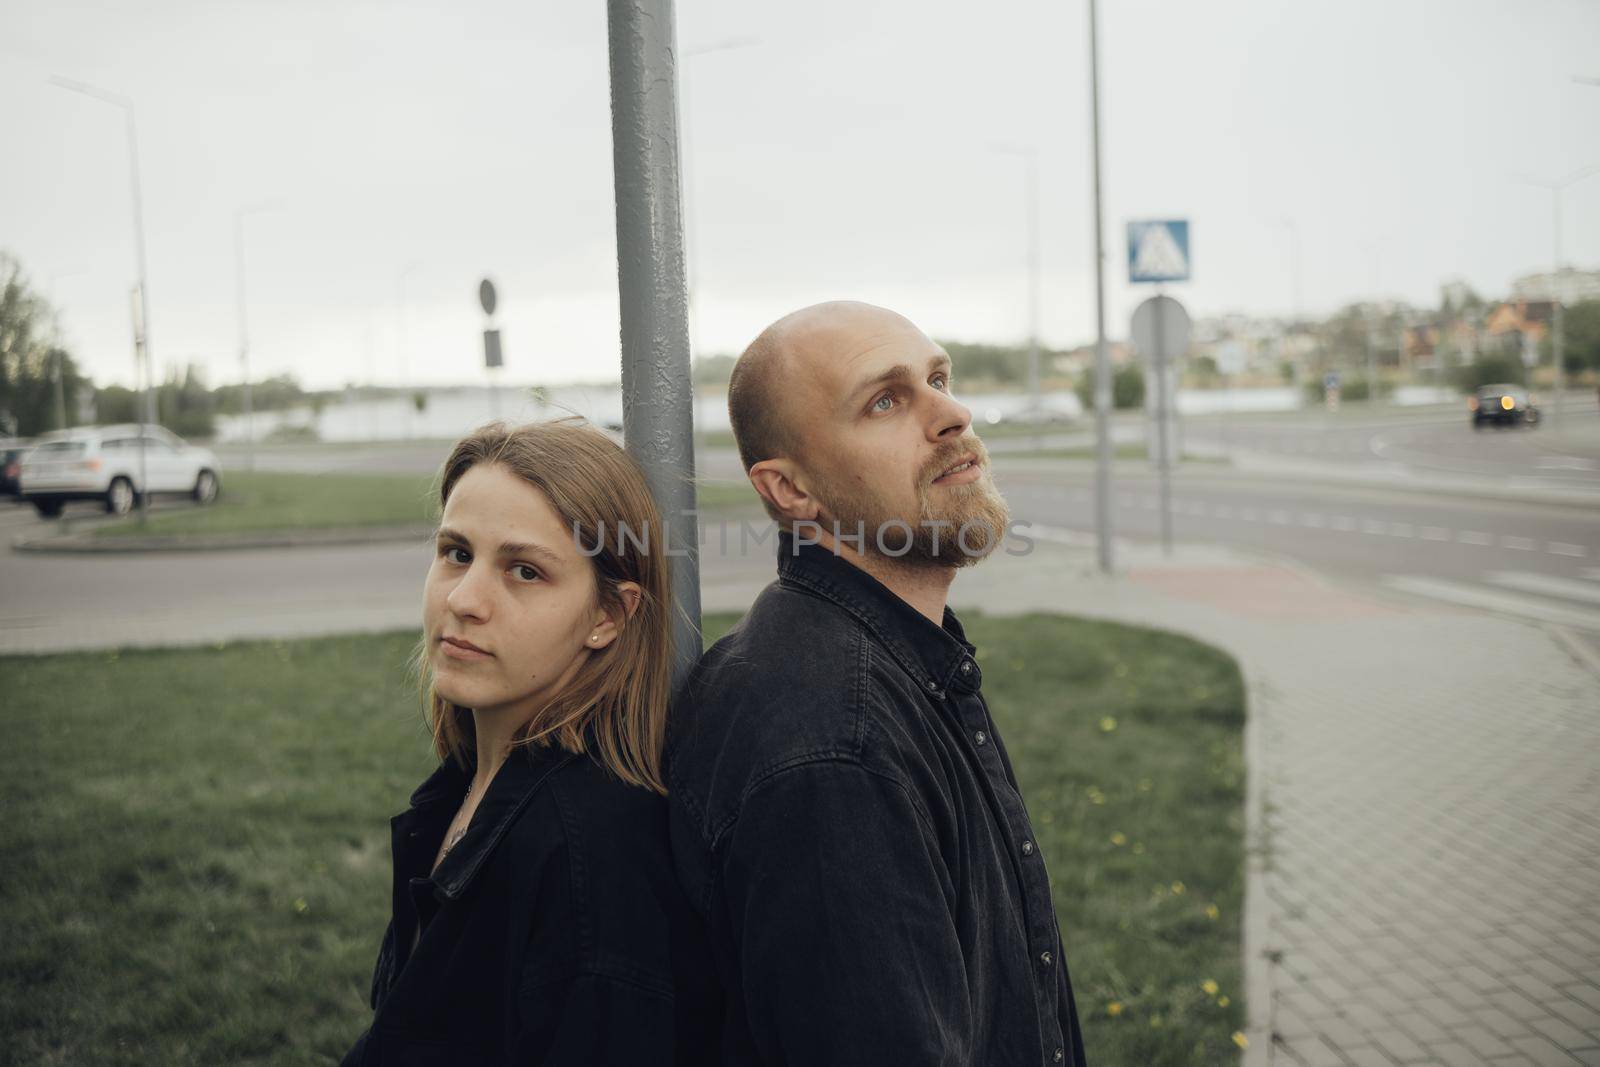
[[256, 501], [196, 841]]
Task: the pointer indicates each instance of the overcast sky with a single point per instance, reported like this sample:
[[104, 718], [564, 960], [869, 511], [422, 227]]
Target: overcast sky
[[848, 152]]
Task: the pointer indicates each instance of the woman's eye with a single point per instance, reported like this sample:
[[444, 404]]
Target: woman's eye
[[524, 572], [452, 552]]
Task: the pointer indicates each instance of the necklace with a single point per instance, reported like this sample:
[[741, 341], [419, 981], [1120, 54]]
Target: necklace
[[455, 838]]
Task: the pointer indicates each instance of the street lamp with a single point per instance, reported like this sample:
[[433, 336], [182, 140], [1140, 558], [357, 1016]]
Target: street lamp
[[1102, 360], [1030, 159], [244, 330], [1558, 344], [143, 331], [691, 270]]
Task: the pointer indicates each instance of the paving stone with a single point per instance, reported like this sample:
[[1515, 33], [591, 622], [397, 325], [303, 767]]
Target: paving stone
[[1542, 1052], [1313, 1052]]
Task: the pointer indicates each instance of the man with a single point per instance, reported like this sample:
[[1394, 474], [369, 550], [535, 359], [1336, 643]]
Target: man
[[844, 814]]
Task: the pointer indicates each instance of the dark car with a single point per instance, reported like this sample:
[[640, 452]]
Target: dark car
[[1503, 405], [11, 451]]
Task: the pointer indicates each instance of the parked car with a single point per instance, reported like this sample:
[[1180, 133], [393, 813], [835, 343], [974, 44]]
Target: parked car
[[1503, 405], [102, 463], [12, 450]]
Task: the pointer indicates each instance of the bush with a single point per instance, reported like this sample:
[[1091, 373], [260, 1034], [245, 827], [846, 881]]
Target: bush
[[1487, 370], [1127, 388]]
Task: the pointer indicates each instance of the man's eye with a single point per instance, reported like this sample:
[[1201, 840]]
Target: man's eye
[[941, 382], [883, 403]]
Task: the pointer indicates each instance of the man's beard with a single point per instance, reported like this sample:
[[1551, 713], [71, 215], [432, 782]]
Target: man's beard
[[955, 526]]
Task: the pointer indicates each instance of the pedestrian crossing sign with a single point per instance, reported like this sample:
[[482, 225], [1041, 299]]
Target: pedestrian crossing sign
[[1158, 250]]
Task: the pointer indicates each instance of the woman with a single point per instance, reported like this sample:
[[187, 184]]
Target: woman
[[536, 919]]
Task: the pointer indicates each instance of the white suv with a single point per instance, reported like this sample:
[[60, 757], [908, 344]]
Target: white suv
[[102, 463]]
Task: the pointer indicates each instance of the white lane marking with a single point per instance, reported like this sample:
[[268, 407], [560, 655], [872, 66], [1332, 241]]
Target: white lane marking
[[1474, 537], [1563, 548], [1344, 523], [1311, 519], [1373, 526], [1477, 596], [1547, 585], [1435, 533], [1399, 529], [1521, 544], [1570, 463], [1278, 517]]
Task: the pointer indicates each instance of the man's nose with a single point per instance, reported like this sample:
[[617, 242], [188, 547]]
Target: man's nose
[[949, 417]]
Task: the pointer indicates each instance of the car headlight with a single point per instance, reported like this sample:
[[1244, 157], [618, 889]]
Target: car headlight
[[1507, 402]]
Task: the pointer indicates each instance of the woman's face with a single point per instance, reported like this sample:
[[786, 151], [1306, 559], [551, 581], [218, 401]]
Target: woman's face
[[509, 606]]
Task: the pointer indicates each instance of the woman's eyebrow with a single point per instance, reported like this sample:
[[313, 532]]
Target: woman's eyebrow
[[507, 548]]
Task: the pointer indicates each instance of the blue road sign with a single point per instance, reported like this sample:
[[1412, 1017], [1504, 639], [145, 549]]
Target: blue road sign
[[1158, 250]]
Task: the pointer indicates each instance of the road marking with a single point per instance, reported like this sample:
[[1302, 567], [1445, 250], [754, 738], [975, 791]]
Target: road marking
[[1248, 514], [1278, 518], [1373, 526], [1521, 544], [1477, 596], [1224, 511], [1547, 585], [1399, 529], [1571, 463], [1474, 537], [1435, 533], [1563, 548], [1311, 519], [1344, 523]]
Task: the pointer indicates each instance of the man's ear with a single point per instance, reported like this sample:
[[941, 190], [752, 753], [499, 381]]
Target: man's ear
[[776, 481], [611, 624]]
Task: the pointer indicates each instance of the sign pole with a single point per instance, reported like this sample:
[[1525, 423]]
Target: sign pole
[[657, 385], [1163, 464], [1102, 359]]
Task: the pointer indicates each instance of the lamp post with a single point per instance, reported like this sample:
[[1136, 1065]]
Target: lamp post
[[143, 293], [685, 115], [1030, 160], [244, 330], [1102, 359]]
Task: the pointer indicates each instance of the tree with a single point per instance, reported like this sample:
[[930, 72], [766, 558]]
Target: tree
[[1581, 327], [29, 362]]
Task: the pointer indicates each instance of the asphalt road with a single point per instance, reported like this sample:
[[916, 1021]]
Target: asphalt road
[[1413, 503]]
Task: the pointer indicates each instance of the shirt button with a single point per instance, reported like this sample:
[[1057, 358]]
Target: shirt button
[[1046, 958], [966, 666], [981, 737], [1058, 1055], [932, 686], [1027, 848]]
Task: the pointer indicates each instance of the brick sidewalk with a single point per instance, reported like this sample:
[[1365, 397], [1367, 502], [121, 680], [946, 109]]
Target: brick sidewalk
[[1430, 785]]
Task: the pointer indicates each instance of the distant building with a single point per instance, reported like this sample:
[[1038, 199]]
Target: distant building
[[1568, 285], [1517, 327]]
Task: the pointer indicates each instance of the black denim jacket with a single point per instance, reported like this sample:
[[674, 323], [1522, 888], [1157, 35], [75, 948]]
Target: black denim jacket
[[845, 817], [554, 933]]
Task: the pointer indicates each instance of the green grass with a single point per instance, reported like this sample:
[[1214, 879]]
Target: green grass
[[1120, 452], [257, 501], [196, 841]]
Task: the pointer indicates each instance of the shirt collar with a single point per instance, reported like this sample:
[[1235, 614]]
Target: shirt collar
[[512, 788], [931, 654]]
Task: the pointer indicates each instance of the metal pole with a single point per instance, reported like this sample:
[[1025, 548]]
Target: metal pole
[[1102, 361], [1162, 465], [61, 396], [1558, 341], [141, 360], [1034, 398], [244, 344], [657, 383]]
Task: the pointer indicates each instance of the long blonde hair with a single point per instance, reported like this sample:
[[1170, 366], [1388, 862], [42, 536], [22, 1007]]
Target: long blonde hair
[[616, 703]]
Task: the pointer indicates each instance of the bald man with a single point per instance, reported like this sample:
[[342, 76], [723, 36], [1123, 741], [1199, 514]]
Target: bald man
[[844, 813]]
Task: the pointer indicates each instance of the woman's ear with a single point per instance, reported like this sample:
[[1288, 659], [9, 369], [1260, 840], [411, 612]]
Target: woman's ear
[[612, 623]]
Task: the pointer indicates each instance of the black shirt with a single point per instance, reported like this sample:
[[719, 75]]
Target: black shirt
[[846, 819], [554, 933]]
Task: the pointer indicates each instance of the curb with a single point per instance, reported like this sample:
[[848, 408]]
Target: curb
[[87, 544]]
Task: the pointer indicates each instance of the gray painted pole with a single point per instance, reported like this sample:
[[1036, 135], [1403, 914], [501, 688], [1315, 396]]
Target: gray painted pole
[[657, 387], [1163, 398], [1102, 360]]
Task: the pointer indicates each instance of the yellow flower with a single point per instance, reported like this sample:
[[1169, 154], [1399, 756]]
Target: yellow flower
[[1178, 889], [1240, 1040], [1138, 848], [1210, 986], [1222, 1002], [301, 906], [1155, 1022], [1213, 912], [1108, 724], [1119, 839], [1114, 1009]]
